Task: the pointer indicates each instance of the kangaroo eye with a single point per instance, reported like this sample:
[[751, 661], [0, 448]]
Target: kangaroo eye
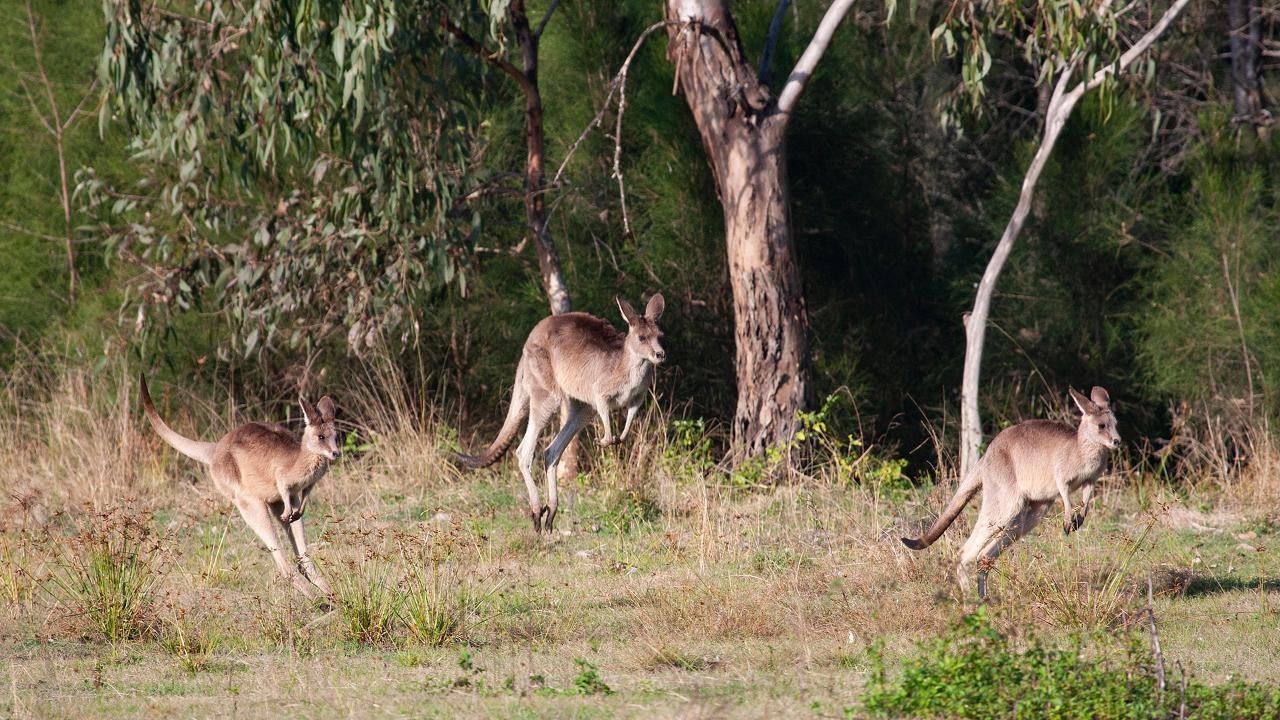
[[322, 437], [1102, 426]]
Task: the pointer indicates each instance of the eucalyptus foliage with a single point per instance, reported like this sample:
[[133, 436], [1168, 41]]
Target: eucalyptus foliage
[[1051, 36], [304, 162]]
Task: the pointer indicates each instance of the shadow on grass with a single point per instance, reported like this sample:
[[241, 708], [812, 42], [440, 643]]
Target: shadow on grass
[[1202, 586]]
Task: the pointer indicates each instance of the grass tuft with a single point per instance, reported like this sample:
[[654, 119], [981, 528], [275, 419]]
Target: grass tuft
[[108, 573]]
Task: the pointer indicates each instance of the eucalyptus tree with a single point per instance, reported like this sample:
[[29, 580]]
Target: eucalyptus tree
[[1075, 47], [743, 124], [312, 167]]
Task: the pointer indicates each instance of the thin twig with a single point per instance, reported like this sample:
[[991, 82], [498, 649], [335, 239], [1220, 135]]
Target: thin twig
[[1155, 638], [1244, 347], [613, 87], [27, 231]]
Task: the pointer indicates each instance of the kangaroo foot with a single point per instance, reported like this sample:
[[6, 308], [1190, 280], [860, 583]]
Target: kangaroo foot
[[606, 441], [536, 517], [1077, 522], [549, 519]]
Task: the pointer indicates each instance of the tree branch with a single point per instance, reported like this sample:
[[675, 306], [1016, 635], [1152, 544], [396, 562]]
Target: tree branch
[[800, 74], [771, 41], [493, 58], [545, 18], [27, 231], [1138, 48]]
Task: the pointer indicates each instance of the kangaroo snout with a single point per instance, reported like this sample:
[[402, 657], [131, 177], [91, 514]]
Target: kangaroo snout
[[660, 355]]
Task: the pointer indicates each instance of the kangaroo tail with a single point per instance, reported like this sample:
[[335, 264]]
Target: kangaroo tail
[[510, 427], [194, 449], [967, 488]]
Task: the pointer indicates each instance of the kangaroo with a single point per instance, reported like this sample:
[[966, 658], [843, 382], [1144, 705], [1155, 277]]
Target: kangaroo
[[581, 362], [268, 474], [1025, 468]]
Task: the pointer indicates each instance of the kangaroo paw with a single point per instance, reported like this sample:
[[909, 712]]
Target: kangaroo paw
[[606, 441], [536, 517], [549, 523]]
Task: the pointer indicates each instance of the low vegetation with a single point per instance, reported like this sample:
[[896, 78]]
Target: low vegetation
[[673, 586]]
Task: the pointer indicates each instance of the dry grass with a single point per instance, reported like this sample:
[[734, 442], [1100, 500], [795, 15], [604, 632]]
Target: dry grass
[[690, 593]]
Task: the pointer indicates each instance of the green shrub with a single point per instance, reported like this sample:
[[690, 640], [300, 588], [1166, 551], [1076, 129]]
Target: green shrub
[[975, 672]]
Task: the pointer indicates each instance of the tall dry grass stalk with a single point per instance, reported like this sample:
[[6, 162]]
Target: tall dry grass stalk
[[74, 435]]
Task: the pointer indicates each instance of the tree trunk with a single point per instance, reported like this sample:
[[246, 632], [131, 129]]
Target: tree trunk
[[535, 173], [744, 137], [1245, 32], [535, 178], [771, 326]]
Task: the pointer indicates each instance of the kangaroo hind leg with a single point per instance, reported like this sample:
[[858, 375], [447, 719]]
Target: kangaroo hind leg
[[540, 412], [576, 419], [1010, 530], [257, 515]]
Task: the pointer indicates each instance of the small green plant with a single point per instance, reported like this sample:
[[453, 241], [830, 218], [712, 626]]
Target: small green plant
[[16, 583], [759, 472], [588, 681], [108, 573], [441, 600], [690, 448], [188, 642], [1073, 591], [440, 606], [628, 509], [351, 444]]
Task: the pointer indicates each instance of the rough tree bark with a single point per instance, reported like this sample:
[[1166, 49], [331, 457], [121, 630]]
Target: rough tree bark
[[1244, 27], [743, 130], [1061, 103]]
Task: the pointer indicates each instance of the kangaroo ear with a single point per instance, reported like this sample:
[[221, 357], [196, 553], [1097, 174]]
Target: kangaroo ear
[[309, 412], [1085, 404], [628, 312], [326, 408], [654, 309], [1100, 397]]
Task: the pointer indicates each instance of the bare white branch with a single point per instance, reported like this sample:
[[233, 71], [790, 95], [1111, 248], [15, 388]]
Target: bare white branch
[[800, 74]]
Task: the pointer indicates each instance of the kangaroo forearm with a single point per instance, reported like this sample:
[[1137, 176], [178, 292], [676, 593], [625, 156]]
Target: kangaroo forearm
[[631, 415], [602, 409]]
